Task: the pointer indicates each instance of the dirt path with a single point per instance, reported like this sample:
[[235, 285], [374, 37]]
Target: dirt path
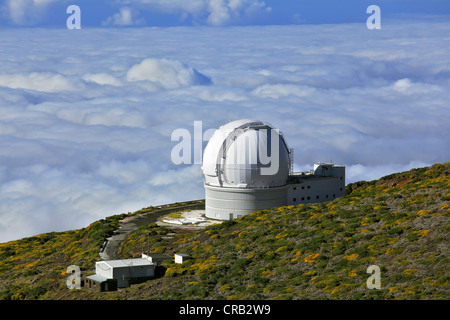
[[128, 225]]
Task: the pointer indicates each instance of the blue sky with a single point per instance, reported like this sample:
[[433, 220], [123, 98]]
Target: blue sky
[[196, 12], [86, 116]]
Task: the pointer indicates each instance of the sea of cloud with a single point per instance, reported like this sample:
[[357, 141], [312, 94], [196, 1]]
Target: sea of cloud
[[86, 116]]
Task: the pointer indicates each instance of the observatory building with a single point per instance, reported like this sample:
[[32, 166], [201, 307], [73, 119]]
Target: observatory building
[[248, 166]]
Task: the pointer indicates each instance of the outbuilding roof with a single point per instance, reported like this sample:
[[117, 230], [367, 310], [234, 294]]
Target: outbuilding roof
[[97, 278], [184, 255], [123, 263]]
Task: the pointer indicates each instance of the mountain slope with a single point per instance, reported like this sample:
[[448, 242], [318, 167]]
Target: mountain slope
[[399, 223]]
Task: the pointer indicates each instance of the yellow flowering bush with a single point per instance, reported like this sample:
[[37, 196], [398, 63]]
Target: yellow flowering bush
[[422, 233], [266, 273], [317, 215], [311, 258], [251, 254], [423, 212], [225, 288], [352, 273], [352, 256], [281, 250], [281, 235], [410, 271]]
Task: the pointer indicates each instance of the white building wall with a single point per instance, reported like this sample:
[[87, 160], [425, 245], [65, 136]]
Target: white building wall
[[326, 184], [233, 203], [103, 269], [123, 273], [180, 258], [315, 189]]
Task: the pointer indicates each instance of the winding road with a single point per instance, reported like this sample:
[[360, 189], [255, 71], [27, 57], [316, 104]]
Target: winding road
[[111, 249]]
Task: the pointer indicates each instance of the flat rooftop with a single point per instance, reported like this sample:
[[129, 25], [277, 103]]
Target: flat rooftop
[[126, 262]]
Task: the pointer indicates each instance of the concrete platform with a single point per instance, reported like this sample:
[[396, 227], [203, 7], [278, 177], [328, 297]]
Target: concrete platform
[[190, 219]]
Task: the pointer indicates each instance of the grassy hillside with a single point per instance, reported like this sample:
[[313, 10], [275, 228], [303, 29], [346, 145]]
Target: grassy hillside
[[32, 267], [35, 267], [399, 222]]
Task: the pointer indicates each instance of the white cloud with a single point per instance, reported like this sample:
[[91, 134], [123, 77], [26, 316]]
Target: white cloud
[[211, 12], [360, 172], [125, 173], [39, 81], [26, 12], [169, 74], [85, 133], [222, 94], [102, 78], [125, 17], [406, 86], [172, 5], [176, 177], [281, 90], [219, 12]]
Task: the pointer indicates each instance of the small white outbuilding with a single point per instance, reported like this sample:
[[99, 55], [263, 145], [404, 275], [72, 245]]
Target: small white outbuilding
[[126, 271], [181, 257]]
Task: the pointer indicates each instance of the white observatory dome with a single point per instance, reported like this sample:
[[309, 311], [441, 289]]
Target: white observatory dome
[[246, 154]]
